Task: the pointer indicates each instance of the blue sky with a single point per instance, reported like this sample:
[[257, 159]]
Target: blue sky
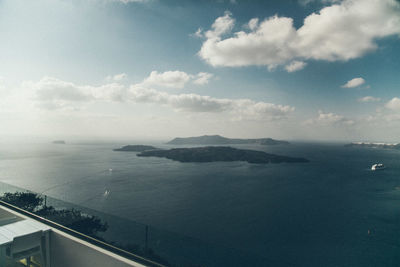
[[158, 69]]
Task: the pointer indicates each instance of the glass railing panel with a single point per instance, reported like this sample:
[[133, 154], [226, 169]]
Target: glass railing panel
[[164, 247]]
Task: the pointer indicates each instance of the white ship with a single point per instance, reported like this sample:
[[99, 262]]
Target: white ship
[[378, 166]]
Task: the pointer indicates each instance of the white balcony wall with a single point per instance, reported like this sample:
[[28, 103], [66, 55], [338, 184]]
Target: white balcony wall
[[68, 251]]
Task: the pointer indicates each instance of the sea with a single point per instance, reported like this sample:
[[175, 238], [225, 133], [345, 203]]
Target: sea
[[332, 211]]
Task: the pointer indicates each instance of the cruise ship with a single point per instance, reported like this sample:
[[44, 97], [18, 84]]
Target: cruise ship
[[378, 166]]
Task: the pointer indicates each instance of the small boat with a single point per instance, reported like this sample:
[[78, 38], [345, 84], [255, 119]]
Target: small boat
[[378, 166], [106, 193]]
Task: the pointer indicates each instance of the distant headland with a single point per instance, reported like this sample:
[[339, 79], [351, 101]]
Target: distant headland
[[135, 148], [59, 142], [374, 145], [220, 140], [218, 153]]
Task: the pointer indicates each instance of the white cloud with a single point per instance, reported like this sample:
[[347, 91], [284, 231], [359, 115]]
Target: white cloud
[[330, 119], [369, 99], [202, 78], [198, 33], [50, 89], [238, 108], [253, 24], [354, 83], [52, 93], [175, 79], [265, 45], [117, 77], [393, 104], [221, 26], [386, 115], [342, 31], [109, 92], [172, 79], [251, 110], [295, 66]]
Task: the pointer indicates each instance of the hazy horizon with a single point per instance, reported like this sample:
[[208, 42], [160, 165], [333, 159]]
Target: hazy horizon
[[126, 140], [324, 70]]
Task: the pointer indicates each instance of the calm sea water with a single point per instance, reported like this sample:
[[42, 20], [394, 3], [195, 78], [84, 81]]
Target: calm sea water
[[332, 211]]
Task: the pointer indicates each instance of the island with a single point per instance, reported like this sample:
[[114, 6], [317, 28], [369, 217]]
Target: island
[[218, 153], [220, 140], [135, 148], [59, 142], [374, 145]]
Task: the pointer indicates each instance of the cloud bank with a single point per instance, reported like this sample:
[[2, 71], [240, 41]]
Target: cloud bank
[[339, 32], [330, 119], [238, 108], [354, 83], [54, 94]]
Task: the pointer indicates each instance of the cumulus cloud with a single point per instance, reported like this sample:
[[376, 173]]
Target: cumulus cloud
[[393, 104], [202, 78], [295, 66], [221, 26], [238, 108], [52, 93], [253, 24], [117, 77], [50, 89], [175, 79], [354, 83], [265, 45], [330, 119], [172, 79], [366, 99], [339, 32]]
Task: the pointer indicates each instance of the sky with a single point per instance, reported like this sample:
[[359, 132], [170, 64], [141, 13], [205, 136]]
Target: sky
[[152, 69]]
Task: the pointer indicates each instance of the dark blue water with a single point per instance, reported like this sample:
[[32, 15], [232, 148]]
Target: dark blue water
[[332, 211]]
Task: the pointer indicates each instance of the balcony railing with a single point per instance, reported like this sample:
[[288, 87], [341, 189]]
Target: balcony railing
[[60, 232], [143, 244]]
